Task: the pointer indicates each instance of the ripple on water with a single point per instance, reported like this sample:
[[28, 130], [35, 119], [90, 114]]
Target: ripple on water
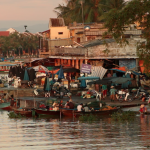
[[46, 134]]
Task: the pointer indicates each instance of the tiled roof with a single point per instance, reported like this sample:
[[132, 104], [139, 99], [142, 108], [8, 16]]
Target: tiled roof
[[56, 22], [4, 33], [46, 31]]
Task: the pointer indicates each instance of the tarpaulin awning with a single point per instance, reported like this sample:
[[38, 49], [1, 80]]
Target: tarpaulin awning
[[61, 73], [121, 69], [54, 71], [88, 78], [100, 82], [40, 68], [120, 80], [136, 73], [69, 70]]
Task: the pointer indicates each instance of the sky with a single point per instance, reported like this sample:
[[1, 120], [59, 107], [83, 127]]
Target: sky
[[33, 11]]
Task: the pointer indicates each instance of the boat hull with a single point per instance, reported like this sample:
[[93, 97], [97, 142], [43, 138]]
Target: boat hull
[[96, 113], [23, 113], [5, 106], [45, 112], [71, 113]]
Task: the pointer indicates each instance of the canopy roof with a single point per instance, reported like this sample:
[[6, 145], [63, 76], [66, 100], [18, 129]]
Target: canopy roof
[[40, 68], [88, 78]]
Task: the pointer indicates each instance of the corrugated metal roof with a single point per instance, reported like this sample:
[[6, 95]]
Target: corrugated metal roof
[[4, 33], [98, 42]]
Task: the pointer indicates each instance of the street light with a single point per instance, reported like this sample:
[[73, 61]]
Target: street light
[[25, 26]]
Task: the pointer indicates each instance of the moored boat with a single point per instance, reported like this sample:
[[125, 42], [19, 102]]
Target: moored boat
[[47, 112], [68, 112], [98, 112], [24, 112], [5, 106]]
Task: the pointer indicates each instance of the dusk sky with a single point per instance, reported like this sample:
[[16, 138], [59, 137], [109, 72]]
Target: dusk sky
[[28, 9], [14, 13], [31, 11]]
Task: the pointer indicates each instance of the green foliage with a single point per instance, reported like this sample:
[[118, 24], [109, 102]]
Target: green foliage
[[135, 11], [14, 115], [17, 41], [123, 116], [72, 11], [88, 118]]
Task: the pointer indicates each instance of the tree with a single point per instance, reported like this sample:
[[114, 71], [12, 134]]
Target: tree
[[5, 44], [136, 11], [16, 41], [92, 11]]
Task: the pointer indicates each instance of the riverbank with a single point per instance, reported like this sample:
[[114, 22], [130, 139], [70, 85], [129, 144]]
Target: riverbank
[[29, 92]]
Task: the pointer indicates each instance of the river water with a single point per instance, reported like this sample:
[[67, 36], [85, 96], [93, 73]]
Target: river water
[[69, 134]]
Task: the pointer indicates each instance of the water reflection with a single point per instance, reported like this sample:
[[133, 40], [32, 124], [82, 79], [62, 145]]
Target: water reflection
[[67, 134]]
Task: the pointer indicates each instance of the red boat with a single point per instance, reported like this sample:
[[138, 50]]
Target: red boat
[[73, 112], [5, 106], [68, 112], [47, 112], [8, 108], [24, 112]]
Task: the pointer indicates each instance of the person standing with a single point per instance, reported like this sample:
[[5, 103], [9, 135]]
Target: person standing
[[143, 109], [112, 93], [104, 90]]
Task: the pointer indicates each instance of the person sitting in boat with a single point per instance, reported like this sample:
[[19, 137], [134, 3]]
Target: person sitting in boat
[[67, 104], [80, 107], [42, 105], [55, 106], [61, 104], [7, 97], [143, 109], [1, 100], [86, 108], [71, 104], [143, 97]]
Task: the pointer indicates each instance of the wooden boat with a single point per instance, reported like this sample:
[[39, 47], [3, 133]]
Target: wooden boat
[[5, 106], [67, 112], [47, 112], [24, 112], [74, 112], [96, 112]]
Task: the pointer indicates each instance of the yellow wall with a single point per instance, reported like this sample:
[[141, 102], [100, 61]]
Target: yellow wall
[[55, 30]]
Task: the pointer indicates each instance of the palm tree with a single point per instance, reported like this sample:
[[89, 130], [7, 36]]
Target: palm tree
[[92, 10], [115, 4]]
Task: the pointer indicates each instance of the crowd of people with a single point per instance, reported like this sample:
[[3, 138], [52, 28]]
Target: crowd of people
[[68, 105]]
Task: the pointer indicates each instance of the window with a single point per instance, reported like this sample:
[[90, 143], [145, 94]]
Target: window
[[60, 33]]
